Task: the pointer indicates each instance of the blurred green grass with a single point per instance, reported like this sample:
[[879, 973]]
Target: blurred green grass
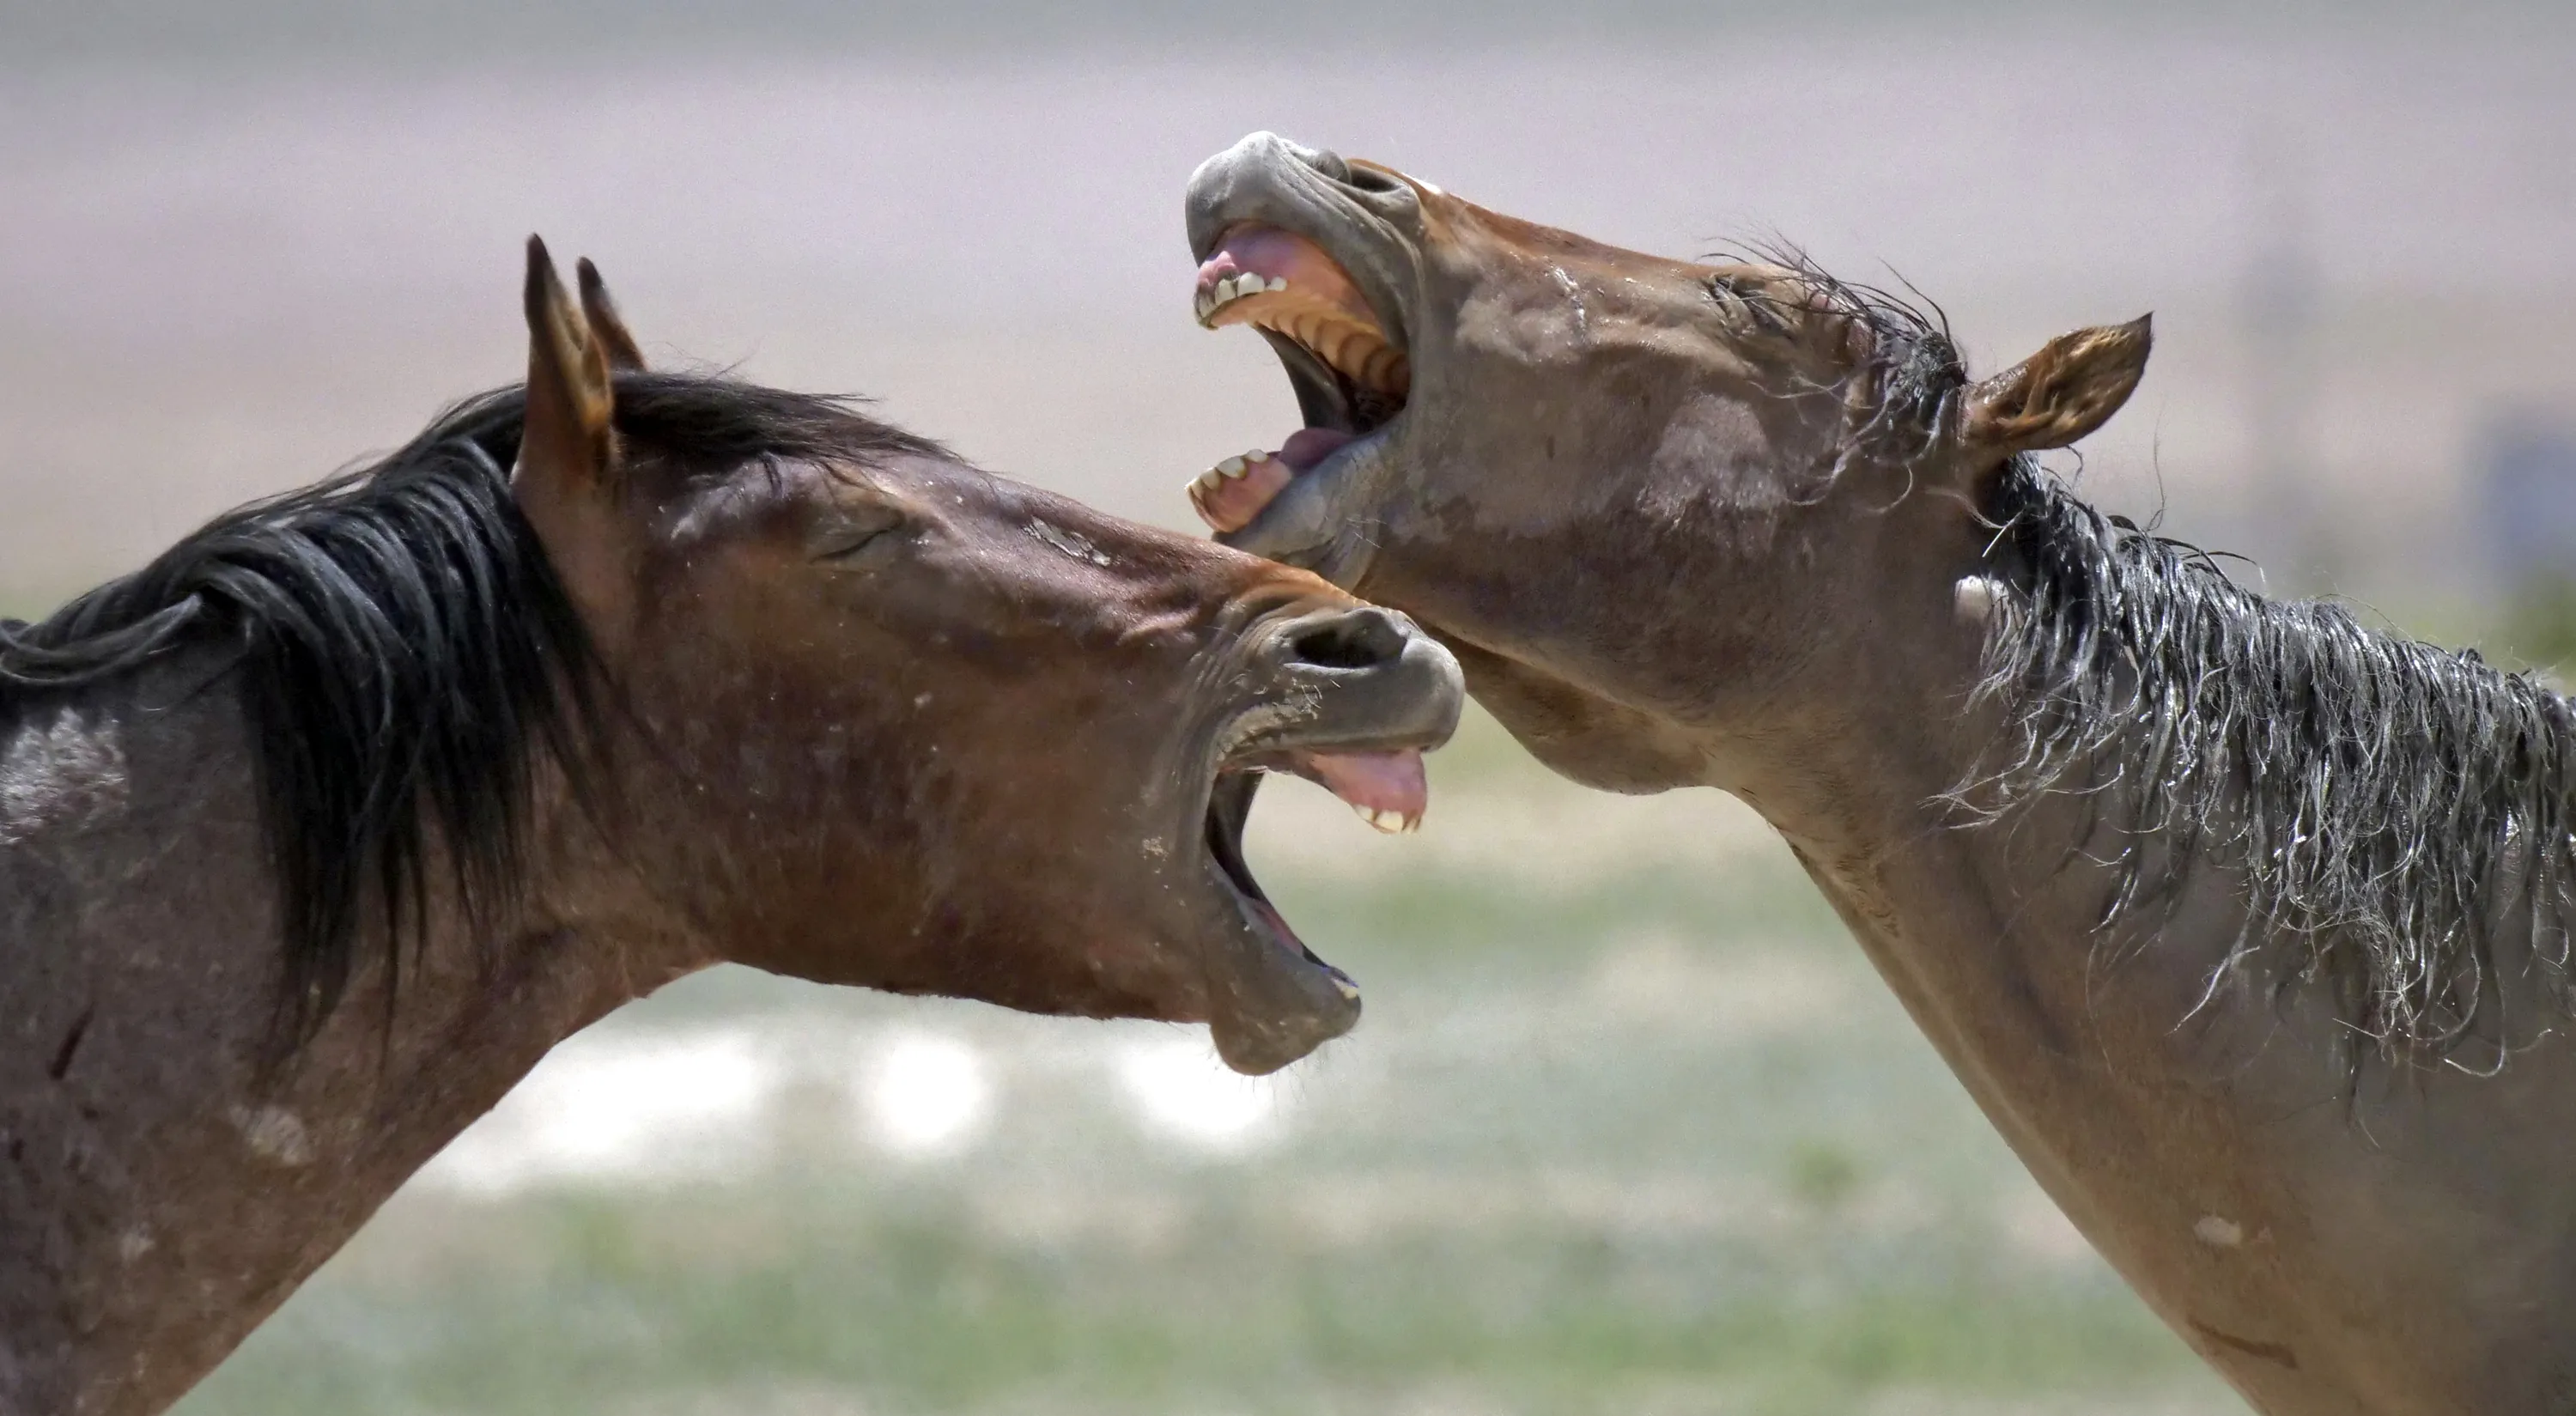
[[911, 1313]]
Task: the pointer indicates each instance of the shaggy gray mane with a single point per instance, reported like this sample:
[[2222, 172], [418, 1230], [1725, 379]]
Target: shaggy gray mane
[[2389, 805]]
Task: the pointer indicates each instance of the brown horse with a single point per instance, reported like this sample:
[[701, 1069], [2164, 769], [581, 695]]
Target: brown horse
[[466, 755], [2245, 924]]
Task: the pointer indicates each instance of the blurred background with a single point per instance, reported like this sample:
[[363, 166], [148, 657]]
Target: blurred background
[[1631, 1127]]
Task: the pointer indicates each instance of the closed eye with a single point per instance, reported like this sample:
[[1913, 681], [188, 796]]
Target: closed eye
[[856, 543]]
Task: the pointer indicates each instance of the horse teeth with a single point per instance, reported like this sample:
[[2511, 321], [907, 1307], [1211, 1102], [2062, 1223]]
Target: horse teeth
[[1388, 822], [1203, 486], [1230, 468], [1232, 288], [1348, 988]]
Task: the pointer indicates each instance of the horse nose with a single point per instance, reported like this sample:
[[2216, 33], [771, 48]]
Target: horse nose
[[1351, 639], [1264, 178], [1369, 677], [1276, 151], [1323, 160]]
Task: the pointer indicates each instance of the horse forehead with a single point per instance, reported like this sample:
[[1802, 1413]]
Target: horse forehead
[[753, 494]]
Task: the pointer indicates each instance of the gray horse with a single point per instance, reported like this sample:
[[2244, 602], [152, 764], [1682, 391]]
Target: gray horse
[[2244, 923]]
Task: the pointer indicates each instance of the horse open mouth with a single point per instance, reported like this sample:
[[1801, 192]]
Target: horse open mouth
[[1346, 363], [1278, 1000]]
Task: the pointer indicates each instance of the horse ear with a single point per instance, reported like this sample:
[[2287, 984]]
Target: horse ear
[[568, 441], [605, 326], [2069, 388]]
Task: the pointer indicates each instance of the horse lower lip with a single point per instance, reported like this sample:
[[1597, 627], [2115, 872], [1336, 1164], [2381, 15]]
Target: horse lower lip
[[1231, 494], [1274, 1001], [1283, 1015]]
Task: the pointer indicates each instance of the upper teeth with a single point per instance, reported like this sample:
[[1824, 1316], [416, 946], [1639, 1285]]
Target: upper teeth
[[1235, 287]]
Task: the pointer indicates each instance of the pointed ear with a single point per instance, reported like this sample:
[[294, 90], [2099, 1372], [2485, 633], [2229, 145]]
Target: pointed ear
[[568, 443], [2069, 388], [605, 326]]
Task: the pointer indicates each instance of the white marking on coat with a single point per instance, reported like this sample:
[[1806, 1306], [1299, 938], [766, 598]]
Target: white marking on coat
[[275, 1134], [1574, 293], [60, 771], [1071, 543]]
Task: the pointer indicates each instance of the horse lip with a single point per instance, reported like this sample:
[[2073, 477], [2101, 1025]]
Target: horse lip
[[1271, 1001], [1321, 521], [1264, 181]]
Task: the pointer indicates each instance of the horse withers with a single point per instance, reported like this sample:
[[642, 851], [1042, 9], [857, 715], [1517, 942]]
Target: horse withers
[[319, 831], [2245, 923]]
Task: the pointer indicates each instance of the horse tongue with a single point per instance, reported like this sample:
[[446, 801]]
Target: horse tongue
[[1308, 447], [1387, 789]]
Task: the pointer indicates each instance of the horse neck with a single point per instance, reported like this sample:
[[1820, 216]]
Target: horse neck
[[1987, 933], [174, 1184]]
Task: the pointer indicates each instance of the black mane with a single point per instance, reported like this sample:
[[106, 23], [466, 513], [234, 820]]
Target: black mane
[[407, 660]]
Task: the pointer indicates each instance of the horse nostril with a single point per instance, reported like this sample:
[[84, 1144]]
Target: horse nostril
[[1359, 179], [1352, 639], [1371, 181], [1323, 160]]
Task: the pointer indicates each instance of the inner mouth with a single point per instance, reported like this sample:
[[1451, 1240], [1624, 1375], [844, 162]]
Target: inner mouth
[[1351, 378]]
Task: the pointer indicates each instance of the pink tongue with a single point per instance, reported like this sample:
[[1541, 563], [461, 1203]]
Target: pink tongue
[[1307, 447], [1374, 781]]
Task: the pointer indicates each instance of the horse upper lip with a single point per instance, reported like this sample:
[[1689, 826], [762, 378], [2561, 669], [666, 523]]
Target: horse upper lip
[[1267, 181]]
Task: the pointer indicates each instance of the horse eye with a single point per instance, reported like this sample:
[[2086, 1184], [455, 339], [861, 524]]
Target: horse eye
[[856, 541]]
